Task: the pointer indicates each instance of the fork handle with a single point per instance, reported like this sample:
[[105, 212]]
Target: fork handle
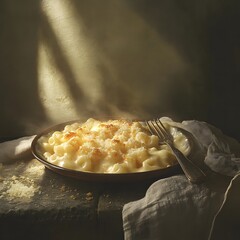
[[192, 171]]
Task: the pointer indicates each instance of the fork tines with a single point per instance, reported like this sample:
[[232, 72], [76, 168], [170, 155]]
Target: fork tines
[[156, 127], [192, 171]]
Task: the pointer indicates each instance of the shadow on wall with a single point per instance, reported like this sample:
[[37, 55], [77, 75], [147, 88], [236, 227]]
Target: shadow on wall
[[223, 46], [64, 60], [159, 76], [151, 59], [19, 88], [121, 65], [206, 33], [122, 62]]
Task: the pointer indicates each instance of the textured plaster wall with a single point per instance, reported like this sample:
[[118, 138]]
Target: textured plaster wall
[[67, 59]]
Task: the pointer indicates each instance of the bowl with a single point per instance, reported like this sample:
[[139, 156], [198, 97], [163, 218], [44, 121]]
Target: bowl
[[91, 176]]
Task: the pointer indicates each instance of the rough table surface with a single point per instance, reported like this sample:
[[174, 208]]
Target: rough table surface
[[38, 203]]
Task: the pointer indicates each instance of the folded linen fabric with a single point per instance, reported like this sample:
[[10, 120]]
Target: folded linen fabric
[[173, 208], [16, 149]]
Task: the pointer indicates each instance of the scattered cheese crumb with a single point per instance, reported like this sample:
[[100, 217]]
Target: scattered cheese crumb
[[73, 197], [63, 188], [36, 170], [89, 196], [19, 187]]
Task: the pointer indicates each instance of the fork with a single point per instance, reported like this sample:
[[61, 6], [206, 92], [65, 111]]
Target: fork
[[193, 173]]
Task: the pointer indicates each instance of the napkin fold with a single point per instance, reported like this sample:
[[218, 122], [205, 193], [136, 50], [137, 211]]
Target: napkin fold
[[16, 149], [173, 208]]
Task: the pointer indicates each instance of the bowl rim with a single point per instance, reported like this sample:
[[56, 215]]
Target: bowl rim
[[91, 176]]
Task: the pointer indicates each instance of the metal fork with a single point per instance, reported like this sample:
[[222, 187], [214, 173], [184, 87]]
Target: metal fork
[[192, 171]]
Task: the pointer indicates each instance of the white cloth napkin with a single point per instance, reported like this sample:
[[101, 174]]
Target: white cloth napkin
[[16, 149], [173, 208]]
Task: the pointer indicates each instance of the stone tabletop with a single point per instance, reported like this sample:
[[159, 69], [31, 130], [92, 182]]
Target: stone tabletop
[[36, 203]]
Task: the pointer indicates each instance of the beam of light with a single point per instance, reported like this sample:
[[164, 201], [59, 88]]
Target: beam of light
[[134, 56], [77, 47], [78, 52], [53, 90]]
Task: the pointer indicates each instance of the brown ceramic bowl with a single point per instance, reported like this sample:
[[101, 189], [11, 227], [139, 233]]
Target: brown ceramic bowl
[[98, 177]]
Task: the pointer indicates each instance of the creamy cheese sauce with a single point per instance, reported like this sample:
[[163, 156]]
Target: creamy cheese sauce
[[113, 146]]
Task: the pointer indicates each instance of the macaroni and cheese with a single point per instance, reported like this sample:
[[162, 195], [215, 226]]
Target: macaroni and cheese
[[113, 146]]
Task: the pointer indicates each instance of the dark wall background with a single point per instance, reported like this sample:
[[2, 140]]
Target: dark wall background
[[151, 58]]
